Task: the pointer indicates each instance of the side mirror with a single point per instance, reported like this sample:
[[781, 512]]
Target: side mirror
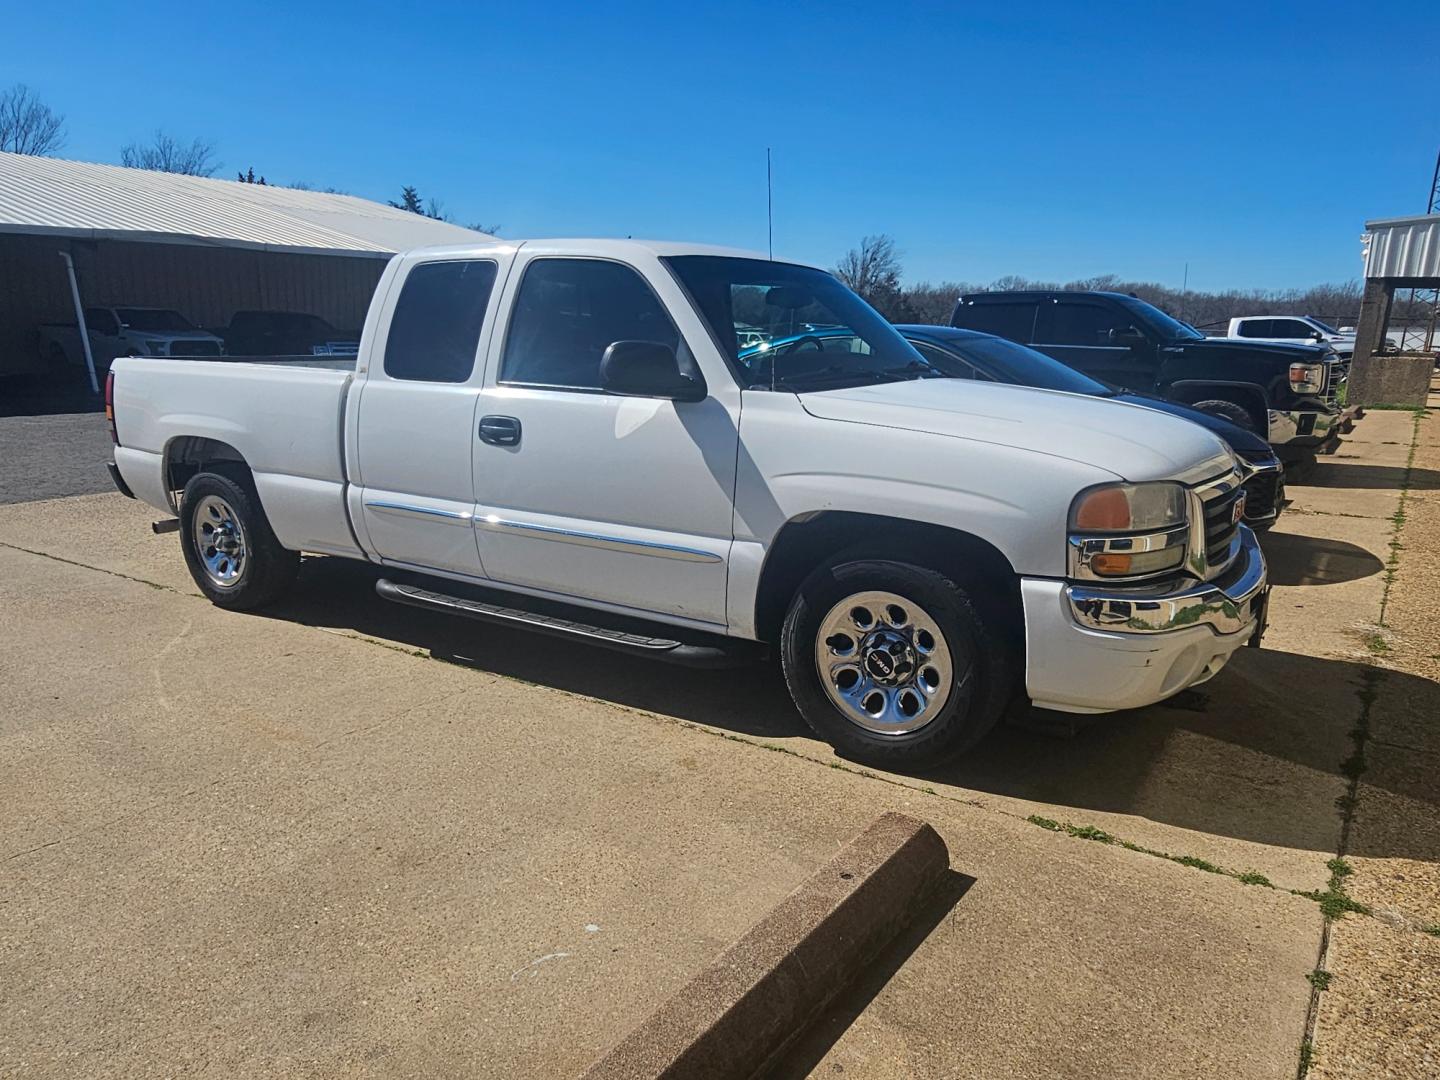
[[1127, 336], [1319, 336], [648, 369]]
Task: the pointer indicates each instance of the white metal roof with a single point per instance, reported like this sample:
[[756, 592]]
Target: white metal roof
[[109, 202], [1403, 247]]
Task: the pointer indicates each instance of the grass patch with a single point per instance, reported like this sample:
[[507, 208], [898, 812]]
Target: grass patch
[[1376, 643], [1250, 877], [1433, 929], [1089, 832], [1307, 1056], [1319, 979], [1198, 864], [1339, 869], [1045, 823]]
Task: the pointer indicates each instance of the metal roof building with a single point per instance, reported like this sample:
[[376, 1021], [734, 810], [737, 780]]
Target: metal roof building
[[1404, 248], [203, 247], [1400, 253]]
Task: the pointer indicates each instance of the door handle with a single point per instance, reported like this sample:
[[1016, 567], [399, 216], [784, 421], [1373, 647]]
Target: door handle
[[500, 430]]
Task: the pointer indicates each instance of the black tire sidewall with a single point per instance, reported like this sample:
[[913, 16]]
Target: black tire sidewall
[[1229, 410], [268, 567], [977, 696]]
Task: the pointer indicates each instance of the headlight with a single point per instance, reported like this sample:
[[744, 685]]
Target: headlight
[[1128, 508], [1307, 378], [1128, 531], [156, 348]]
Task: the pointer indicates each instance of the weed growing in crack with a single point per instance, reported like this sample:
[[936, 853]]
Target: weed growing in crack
[[1319, 979]]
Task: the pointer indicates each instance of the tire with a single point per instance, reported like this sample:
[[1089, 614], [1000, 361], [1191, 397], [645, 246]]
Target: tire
[[246, 569], [1228, 410], [970, 677]]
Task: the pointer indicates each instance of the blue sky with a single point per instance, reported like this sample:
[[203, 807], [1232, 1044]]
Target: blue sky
[[1053, 140]]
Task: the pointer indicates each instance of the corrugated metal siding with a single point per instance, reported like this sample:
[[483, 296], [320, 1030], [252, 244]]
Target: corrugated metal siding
[[1403, 248], [207, 285], [79, 198]]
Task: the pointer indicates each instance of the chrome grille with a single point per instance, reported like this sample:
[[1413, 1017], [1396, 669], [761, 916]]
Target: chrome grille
[[1221, 529]]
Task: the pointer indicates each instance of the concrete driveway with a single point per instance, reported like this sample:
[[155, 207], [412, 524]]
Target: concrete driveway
[[349, 838]]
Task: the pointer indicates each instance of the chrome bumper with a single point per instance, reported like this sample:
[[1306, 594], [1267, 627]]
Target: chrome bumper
[[1303, 426], [1227, 605]]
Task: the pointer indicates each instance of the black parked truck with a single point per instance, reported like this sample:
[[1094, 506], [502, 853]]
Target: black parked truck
[[1286, 393]]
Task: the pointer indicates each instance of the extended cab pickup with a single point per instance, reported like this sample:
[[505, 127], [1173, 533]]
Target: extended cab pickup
[[1285, 393], [564, 437]]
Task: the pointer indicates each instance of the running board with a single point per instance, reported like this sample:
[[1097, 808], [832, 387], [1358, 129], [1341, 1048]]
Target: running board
[[656, 648]]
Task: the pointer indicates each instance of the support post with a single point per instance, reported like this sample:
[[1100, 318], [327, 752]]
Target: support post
[[80, 322]]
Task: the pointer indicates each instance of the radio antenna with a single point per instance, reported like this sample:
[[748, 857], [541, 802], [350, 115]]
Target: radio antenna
[[769, 205]]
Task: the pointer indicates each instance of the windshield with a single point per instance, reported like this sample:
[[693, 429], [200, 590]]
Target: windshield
[[1008, 362], [1323, 326], [793, 327], [1167, 328], [153, 319]]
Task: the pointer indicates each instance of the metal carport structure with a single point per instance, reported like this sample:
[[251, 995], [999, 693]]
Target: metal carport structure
[[203, 246]]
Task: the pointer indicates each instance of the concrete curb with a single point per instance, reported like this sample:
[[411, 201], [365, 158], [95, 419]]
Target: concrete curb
[[738, 1014]]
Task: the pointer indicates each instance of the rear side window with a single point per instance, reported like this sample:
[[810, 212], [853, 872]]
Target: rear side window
[[435, 331], [1082, 324], [568, 312], [1293, 328], [1013, 320]]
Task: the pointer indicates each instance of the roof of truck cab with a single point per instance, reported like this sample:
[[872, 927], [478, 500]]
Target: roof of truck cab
[[595, 246], [1041, 294]]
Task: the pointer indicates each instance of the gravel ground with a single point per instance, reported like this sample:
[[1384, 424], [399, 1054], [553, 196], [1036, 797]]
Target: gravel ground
[[45, 457]]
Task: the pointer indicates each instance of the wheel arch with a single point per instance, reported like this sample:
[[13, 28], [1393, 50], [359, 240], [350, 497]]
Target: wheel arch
[[1249, 396], [810, 540], [186, 455]]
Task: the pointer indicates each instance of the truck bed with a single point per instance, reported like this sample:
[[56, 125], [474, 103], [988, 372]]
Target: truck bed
[[284, 416]]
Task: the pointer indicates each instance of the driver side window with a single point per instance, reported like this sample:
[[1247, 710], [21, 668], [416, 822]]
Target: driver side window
[[568, 312]]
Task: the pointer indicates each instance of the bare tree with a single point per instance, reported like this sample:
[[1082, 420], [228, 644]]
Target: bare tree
[[27, 124], [164, 153], [873, 270]]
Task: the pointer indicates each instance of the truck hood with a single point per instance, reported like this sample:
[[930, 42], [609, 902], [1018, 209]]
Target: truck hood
[[1132, 442], [1279, 350]]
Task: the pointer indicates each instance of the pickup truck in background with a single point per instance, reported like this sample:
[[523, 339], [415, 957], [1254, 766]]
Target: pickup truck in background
[[563, 438], [1292, 330], [1285, 393], [125, 331], [285, 333]]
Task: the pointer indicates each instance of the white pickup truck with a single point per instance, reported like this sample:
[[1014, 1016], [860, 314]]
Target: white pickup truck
[[563, 436], [126, 331], [1293, 330]]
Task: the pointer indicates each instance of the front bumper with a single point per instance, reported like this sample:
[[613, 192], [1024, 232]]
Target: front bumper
[[1094, 649], [1307, 426]]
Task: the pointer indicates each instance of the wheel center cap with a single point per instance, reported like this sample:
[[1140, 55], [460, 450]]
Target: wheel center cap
[[888, 658]]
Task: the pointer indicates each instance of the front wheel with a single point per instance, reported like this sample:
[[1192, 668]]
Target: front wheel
[[1228, 410], [231, 550], [892, 663]]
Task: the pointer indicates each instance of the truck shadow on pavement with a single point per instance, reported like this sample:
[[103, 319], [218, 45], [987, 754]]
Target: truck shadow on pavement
[[1313, 560], [1256, 754]]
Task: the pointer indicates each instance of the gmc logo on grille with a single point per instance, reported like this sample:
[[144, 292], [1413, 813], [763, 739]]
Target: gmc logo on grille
[[1237, 512]]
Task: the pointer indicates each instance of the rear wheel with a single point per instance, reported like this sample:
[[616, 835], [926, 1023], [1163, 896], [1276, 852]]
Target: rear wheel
[[231, 550], [893, 663], [1228, 410]]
